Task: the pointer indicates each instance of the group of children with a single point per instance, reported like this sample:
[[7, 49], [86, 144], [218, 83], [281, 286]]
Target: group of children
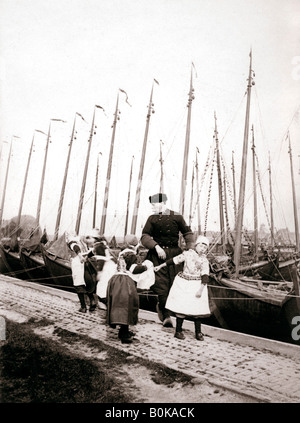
[[188, 296]]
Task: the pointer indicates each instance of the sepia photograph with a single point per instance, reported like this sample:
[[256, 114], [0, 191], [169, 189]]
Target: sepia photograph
[[149, 204]]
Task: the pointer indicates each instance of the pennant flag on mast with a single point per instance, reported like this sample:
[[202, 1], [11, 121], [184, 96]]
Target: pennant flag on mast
[[100, 107], [81, 117], [122, 91], [194, 69], [156, 81]]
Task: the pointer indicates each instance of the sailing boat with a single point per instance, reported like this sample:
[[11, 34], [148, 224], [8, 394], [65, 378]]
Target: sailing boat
[[263, 267], [7, 265], [22, 229], [264, 308], [275, 269], [32, 258], [285, 270], [30, 252], [57, 255]]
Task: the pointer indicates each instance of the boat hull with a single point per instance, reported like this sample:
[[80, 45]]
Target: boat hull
[[286, 270], [262, 269], [249, 309], [35, 267], [60, 271], [12, 265]]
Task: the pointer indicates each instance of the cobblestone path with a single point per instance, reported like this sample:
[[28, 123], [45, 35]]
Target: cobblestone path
[[263, 374]]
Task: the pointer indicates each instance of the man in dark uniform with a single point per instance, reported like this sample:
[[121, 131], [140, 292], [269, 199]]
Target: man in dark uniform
[[161, 236]]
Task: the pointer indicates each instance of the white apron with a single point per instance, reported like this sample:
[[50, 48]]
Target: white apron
[[182, 298], [109, 269]]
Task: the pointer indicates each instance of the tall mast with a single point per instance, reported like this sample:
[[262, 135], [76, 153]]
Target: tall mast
[[128, 198], [79, 212], [96, 192], [240, 211], [294, 197], [59, 212], [38, 213], [271, 204], [6, 178], [161, 184], [233, 181], [1, 153], [141, 171], [191, 201], [186, 147], [225, 204], [25, 179], [105, 202], [254, 200], [220, 189], [198, 191]]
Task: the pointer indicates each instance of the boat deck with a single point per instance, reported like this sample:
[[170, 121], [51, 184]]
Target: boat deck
[[262, 369]]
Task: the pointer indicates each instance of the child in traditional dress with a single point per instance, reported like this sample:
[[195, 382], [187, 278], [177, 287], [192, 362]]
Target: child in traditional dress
[[83, 274], [188, 295], [122, 296]]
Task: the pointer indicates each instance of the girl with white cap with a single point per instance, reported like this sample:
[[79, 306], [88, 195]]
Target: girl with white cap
[[188, 295]]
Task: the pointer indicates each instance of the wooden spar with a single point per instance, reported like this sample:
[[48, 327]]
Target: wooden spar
[[225, 205], [233, 181], [296, 281], [220, 189], [59, 212], [254, 200], [140, 177], [198, 192], [191, 201], [294, 197], [105, 201], [128, 198], [24, 183], [240, 210], [5, 181], [79, 212], [186, 147], [38, 212], [161, 183], [271, 204], [1, 155], [96, 192]]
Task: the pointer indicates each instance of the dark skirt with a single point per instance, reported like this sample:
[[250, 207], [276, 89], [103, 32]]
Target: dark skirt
[[122, 300]]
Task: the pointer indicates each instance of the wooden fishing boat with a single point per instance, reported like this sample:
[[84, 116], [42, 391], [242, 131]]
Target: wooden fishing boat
[[261, 308], [57, 262], [251, 305], [26, 228], [10, 263], [277, 267], [31, 254]]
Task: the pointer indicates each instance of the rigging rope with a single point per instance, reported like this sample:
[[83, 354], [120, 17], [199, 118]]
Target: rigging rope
[[209, 192]]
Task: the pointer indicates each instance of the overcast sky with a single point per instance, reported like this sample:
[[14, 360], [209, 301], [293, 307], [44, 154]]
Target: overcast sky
[[62, 57]]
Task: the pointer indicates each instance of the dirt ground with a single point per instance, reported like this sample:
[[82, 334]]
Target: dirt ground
[[144, 385]]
